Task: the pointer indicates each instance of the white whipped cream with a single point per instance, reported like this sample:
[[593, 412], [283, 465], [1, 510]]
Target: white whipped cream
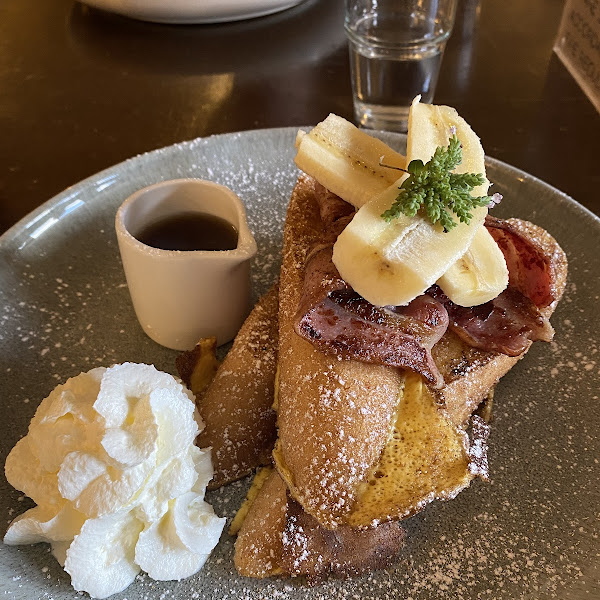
[[110, 461]]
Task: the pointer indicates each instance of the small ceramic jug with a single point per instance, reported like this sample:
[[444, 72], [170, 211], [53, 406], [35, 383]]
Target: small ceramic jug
[[180, 296]]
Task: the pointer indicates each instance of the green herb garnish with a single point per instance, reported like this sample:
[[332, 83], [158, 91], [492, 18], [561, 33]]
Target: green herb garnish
[[433, 189]]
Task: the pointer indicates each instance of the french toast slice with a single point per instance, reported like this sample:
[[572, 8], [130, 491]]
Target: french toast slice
[[236, 403], [278, 538], [259, 543], [338, 410], [335, 417]]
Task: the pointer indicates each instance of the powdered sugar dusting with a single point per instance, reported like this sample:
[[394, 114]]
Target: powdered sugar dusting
[[531, 532]]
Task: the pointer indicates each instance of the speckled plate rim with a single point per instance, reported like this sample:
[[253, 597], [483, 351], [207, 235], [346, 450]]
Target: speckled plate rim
[[53, 203]]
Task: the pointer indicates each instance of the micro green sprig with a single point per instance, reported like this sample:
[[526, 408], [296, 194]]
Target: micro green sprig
[[431, 188]]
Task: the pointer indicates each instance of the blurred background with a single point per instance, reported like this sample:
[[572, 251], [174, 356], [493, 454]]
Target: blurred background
[[82, 89]]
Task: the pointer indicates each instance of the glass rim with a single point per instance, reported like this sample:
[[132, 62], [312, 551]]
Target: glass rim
[[366, 40]]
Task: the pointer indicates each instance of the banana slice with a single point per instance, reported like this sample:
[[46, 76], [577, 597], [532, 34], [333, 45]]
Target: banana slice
[[346, 160], [479, 275], [392, 263]]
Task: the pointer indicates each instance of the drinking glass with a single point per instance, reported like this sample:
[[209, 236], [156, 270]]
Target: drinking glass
[[396, 49]]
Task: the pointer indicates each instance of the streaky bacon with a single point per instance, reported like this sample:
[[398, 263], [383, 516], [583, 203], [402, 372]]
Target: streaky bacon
[[529, 267], [507, 324], [346, 324], [337, 320], [331, 207], [510, 322]]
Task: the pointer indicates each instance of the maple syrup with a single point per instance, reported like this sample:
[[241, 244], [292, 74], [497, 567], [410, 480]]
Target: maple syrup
[[190, 231]]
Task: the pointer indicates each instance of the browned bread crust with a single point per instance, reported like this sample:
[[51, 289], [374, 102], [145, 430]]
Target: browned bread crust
[[278, 537], [259, 545], [237, 405], [469, 375], [335, 415]]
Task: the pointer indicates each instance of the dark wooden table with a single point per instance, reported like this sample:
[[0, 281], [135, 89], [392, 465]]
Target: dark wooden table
[[81, 90]]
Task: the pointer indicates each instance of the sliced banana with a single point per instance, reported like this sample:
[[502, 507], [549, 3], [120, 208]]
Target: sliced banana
[[392, 263], [479, 275], [430, 126], [346, 160]]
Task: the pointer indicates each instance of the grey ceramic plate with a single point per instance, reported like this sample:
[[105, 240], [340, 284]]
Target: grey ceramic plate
[[531, 532]]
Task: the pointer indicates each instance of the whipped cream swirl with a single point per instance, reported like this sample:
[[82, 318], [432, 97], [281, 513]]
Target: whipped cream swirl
[[110, 461]]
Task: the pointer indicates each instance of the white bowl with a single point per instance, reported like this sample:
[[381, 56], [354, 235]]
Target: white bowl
[[192, 11]]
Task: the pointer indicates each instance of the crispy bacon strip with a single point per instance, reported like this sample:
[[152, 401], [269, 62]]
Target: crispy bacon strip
[[336, 319], [507, 324], [529, 266], [345, 323], [331, 207]]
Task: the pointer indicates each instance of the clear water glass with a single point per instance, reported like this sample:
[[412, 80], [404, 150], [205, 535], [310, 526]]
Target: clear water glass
[[396, 50]]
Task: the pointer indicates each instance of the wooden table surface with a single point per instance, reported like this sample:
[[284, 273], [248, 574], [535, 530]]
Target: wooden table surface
[[81, 89]]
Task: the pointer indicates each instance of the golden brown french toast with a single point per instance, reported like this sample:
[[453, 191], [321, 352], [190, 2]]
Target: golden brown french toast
[[360, 446], [236, 406], [336, 417], [278, 538]]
